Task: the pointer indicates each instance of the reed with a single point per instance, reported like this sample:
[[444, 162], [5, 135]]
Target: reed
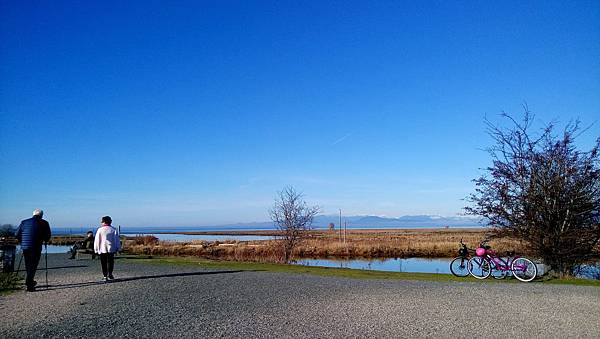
[[270, 251], [365, 244], [65, 239]]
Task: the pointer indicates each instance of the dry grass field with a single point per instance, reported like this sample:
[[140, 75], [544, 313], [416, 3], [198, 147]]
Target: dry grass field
[[367, 244]]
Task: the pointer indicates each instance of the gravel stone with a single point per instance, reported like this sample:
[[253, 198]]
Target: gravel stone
[[160, 300]]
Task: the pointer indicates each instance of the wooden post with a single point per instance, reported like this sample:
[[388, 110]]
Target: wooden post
[[340, 225]]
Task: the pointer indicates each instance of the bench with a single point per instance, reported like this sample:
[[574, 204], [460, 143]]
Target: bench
[[84, 252]]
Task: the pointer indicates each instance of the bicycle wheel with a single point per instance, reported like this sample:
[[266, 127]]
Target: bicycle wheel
[[479, 267], [524, 269], [497, 271], [458, 267]]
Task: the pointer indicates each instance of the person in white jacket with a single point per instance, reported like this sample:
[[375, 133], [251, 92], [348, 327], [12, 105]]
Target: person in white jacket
[[106, 244]]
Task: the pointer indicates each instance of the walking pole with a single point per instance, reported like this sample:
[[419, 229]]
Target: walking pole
[[46, 255], [19, 266]]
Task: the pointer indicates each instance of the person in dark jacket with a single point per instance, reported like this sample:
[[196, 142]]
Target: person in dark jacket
[[32, 233], [87, 244]]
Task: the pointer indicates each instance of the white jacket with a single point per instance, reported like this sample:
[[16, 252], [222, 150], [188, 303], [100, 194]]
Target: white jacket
[[107, 240]]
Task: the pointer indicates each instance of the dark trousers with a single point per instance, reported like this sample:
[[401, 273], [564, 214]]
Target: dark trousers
[[107, 260], [80, 246], [32, 259]]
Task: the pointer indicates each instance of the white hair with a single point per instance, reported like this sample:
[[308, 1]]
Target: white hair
[[38, 211]]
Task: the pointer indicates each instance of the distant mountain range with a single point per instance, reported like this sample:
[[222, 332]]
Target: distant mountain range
[[321, 221], [371, 221]]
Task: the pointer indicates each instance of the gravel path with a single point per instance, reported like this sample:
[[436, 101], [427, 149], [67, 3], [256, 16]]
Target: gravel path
[[151, 300]]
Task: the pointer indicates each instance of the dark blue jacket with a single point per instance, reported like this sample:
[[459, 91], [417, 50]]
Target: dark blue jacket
[[33, 232]]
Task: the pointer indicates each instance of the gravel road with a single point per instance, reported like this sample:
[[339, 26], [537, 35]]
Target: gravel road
[[157, 300]]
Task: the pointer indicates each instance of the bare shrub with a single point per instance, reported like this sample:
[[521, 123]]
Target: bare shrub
[[542, 190], [145, 240], [293, 217]]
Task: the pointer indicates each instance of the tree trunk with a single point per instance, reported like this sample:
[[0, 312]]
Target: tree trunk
[[287, 253], [560, 268]]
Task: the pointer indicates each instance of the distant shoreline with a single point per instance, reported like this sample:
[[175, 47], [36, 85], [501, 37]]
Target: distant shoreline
[[378, 233], [201, 230], [320, 231]]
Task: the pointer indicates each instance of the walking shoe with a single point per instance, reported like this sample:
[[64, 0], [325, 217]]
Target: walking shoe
[[30, 288], [105, 279], [111, 277]]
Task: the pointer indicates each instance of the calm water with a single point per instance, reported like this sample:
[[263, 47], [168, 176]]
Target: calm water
[[414, 265], [190, 237], [152, 230], [420, 265], [135, 230]]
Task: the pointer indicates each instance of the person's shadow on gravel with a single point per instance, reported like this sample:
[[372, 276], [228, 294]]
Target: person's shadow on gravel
[[172, 275], [52, 268]]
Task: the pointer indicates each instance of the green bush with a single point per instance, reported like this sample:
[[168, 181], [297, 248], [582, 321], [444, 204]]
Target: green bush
[[9, 281]]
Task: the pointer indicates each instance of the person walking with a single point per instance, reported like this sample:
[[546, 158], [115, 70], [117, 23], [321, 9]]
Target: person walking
[[31, 234], [106, 244]]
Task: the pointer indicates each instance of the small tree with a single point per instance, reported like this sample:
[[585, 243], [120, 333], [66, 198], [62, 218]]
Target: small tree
[[542, 190], [293, 217]]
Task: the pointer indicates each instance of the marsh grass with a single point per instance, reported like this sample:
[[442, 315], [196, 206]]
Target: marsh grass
[[363, 244], [145, 240], [62, 240], [237, 251], [399, 244]]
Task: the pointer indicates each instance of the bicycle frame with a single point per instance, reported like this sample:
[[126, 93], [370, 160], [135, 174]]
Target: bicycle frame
[[500, 264], [487, 261]]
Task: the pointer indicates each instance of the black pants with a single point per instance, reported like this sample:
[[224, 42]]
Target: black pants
[[32, 259], [79, 246], [107, 260]]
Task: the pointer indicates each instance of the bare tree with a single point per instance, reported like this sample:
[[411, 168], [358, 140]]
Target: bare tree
[[293, 217], [542, 190]]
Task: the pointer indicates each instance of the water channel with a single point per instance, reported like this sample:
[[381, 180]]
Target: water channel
[[205, 237], [414, 265]]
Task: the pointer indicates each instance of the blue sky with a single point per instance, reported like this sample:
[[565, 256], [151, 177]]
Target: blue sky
[[197, 113]]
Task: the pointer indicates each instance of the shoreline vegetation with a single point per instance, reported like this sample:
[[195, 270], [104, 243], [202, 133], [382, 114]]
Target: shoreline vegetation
[[319, 244]]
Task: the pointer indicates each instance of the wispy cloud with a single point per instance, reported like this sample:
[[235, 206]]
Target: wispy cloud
[[340, 139]]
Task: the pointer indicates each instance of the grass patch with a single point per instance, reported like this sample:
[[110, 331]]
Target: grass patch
[[569, 281], [343, 272], [9, 282]]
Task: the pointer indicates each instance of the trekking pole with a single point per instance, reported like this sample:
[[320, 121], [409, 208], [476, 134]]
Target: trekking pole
[[46, 255], [19, 266]]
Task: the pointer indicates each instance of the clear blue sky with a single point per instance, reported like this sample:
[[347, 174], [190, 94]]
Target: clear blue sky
[[196, 113]]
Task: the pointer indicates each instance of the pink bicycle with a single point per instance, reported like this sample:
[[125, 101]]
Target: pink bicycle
[[487, 262]]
